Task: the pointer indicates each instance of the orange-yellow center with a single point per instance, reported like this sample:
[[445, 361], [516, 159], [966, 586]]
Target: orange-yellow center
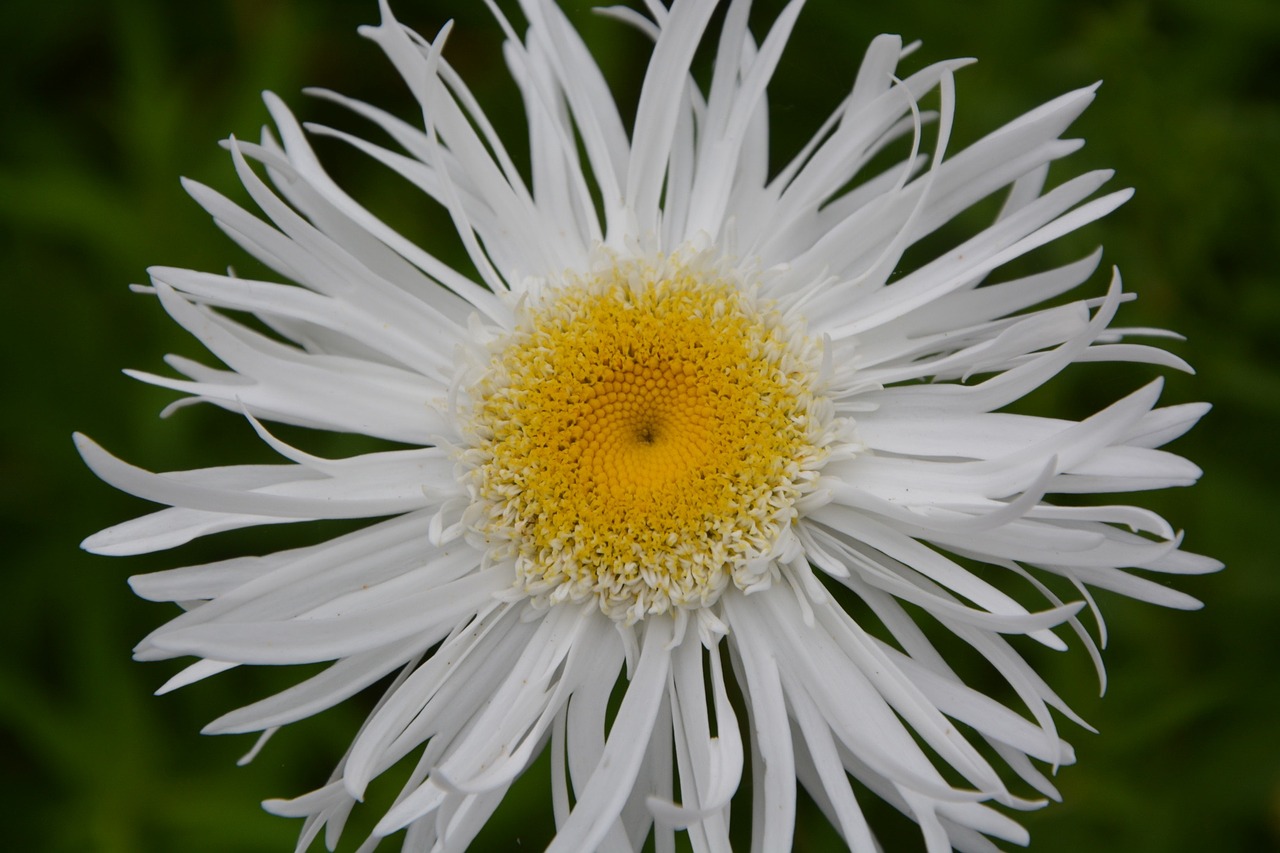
[[641, 437]]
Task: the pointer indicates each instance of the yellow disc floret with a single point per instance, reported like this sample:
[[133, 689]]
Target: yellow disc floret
[[641, 437]]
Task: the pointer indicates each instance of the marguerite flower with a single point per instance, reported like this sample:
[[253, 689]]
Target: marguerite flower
[[688, 415]]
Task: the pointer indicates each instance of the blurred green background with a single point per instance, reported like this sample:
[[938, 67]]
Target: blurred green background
[[106, 104]]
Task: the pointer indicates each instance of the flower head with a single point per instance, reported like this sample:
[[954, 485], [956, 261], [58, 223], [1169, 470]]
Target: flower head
[[642, 438], [685, 411]]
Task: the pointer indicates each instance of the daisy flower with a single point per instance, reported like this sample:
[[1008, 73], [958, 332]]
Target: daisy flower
[[688, 431]]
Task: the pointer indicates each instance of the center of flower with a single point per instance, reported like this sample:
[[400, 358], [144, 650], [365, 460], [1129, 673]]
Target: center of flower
[[642, 436]]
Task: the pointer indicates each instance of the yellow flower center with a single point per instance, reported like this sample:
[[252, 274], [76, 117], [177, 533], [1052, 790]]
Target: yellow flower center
[[641, 437]]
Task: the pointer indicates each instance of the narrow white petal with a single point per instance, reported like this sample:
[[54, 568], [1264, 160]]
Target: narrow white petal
[[659, 109], [598, 807], [773, 779], [310, 640], [301, 498]]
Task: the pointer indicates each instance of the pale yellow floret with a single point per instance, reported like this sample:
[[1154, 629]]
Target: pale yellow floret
[[641, 436]]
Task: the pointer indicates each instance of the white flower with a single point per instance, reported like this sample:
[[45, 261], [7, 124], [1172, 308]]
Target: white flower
[[689, 409]]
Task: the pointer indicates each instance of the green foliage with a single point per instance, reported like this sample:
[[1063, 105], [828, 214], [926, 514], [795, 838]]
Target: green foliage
[[107, 103]]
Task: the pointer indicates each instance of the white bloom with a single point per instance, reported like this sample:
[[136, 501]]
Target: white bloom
[[688, 408]]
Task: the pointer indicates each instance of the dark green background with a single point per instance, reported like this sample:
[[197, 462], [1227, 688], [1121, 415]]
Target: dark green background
[[106, 104]]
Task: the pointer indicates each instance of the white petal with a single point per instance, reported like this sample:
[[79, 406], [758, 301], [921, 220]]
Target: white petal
[[310, 640], [611, 780]]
